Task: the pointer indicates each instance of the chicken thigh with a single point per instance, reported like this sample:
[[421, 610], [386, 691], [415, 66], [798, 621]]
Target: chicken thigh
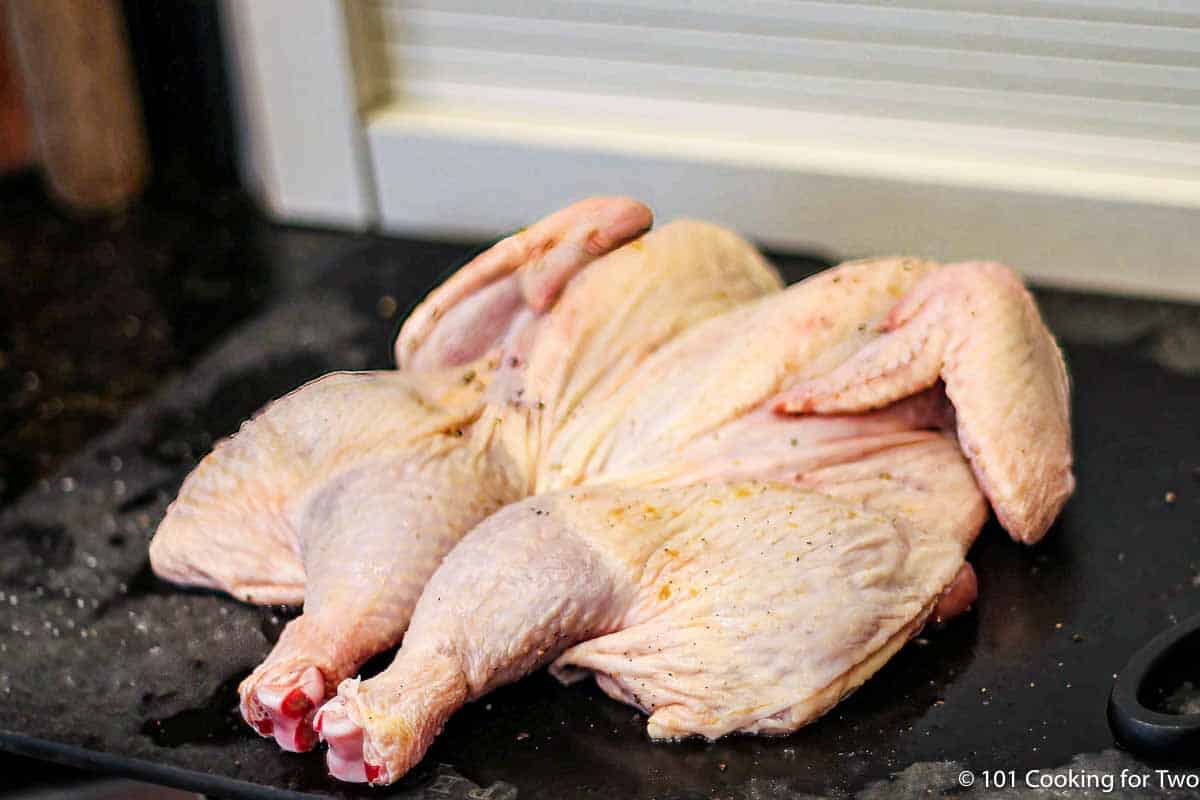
[[343, 495], [732, 540]]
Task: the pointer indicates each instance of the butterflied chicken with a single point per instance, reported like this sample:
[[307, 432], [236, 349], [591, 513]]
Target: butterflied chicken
[[728, 501]]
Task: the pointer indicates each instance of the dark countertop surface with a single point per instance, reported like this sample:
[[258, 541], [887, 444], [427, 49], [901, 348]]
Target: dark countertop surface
[[122, 329], [95, 315]]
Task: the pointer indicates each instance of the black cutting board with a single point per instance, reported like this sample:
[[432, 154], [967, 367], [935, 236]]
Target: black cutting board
[[103, 665]]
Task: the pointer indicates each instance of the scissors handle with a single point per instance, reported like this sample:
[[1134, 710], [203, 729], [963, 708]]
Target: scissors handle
[[1143, 730]]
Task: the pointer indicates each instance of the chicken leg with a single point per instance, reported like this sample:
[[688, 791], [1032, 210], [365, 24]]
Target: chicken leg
[[345, 495]]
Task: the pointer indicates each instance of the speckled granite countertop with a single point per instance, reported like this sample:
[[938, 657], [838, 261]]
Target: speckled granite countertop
[[102, 665], [95, 315]]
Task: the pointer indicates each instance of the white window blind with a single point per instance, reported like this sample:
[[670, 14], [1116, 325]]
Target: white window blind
[[1110, 84]]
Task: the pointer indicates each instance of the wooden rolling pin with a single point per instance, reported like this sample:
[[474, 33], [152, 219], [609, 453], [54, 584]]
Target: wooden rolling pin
[[80, 91]]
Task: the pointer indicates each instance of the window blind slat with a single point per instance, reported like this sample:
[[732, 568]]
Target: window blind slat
[[653, 46], [874, 98], [1145, 12], [887, 23]]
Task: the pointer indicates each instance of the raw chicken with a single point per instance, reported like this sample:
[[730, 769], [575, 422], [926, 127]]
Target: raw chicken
[[728, 501], [725, 534], [347, 493]]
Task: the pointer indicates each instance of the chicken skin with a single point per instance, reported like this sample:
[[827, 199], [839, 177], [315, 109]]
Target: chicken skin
[[636, 456], [343, 496]]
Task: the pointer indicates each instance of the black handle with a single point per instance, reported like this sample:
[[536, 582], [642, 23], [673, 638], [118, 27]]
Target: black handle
[[1140, 729]]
